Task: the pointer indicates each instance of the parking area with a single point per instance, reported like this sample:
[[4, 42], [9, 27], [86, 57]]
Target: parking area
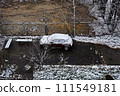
[[22, 54], [79, 53]]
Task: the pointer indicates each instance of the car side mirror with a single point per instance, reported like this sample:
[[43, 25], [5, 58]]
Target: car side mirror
[[51, 42]]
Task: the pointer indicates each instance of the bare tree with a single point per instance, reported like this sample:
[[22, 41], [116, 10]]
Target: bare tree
[[106, 12], [74, 17], [31, 1], [110, 13], [10, 2], [37, 55]]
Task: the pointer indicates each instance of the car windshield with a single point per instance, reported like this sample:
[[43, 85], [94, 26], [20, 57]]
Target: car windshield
[[58, 40]]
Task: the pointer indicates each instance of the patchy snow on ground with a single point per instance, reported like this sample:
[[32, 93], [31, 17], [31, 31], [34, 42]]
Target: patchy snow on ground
[[24, 37], [76, 72], [9, 73], [111, 41], [100, 26], [4, 38], [2, 41]]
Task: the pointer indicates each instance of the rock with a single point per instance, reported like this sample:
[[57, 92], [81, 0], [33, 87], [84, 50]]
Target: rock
[[16, 7], [27, 67], [41, 20], [109, 77], [6, 60]]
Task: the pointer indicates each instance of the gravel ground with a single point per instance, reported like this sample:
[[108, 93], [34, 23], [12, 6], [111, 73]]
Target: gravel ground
[[76, 72]]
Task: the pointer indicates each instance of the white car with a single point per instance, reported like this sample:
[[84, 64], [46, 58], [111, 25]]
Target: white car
[[57, 40]]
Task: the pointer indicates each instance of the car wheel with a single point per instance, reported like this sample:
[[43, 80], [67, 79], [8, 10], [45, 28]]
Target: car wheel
[[66, 47]]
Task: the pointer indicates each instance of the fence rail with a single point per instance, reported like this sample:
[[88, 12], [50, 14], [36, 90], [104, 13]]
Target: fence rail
[[37, 23]]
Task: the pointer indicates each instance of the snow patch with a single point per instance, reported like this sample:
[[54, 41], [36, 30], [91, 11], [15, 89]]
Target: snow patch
[[111, 41], [2, 41], [9, 72], [76, 72]]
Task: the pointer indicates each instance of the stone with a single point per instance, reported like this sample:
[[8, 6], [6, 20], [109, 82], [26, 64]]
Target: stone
[[109, 77], [16, 7]]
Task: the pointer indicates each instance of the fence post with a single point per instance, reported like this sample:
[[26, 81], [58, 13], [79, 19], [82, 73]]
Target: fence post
[[24, 30], [46, 29]]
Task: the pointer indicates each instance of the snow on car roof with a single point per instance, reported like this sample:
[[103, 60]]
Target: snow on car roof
[[59, 36]]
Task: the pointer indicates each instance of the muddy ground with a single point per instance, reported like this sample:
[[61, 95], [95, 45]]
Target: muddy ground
[[79, 54]]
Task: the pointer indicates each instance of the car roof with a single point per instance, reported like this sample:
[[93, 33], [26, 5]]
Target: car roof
[[59, 36]]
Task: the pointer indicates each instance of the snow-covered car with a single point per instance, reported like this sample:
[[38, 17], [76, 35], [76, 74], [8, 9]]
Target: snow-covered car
[[57, 40]]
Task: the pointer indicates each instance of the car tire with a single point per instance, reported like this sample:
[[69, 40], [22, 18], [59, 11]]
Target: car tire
[[66, 48]]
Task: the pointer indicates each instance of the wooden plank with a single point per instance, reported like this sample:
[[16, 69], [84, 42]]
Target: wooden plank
[[24, 40], [8, 43]]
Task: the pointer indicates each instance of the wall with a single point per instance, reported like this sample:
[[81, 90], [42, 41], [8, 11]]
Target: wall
[[42, 29]]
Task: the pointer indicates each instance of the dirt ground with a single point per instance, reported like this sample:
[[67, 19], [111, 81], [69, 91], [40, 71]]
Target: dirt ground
[[58, 16], [79, 54]]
